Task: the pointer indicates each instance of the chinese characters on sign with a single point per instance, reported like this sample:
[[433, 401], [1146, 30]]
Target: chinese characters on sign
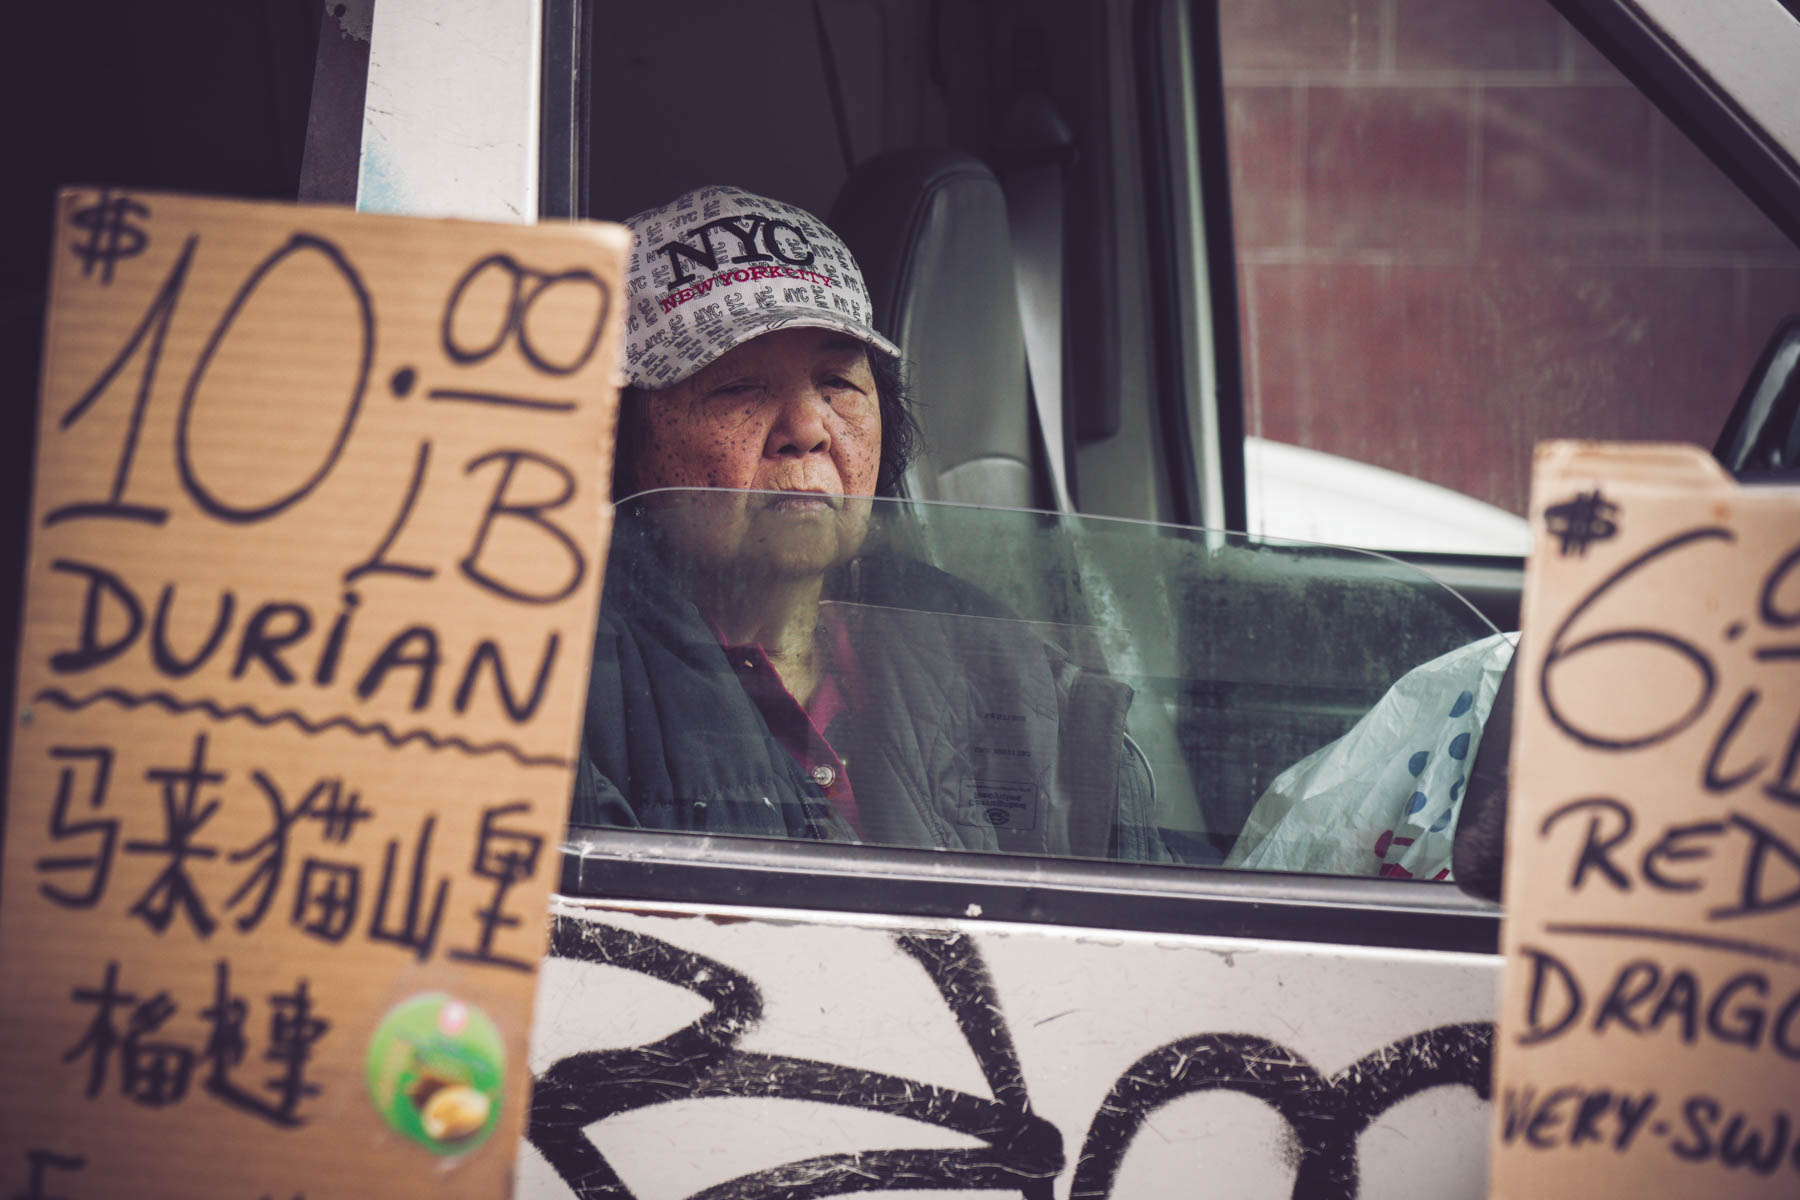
[[316, 545], [1649, 1038]]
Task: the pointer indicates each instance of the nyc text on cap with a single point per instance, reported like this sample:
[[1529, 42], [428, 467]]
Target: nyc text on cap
[[718, 266]]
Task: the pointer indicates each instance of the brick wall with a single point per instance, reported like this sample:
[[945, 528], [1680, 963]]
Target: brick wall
[[1461, 230]]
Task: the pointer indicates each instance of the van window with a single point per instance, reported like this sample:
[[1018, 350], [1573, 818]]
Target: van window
[[1022, 682], [1460, 230]]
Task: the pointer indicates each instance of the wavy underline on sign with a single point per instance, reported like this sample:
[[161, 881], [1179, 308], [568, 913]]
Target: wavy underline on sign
[[381, 729], [1649, 933]]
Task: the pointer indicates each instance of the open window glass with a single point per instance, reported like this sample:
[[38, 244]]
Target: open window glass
[[964, 678]]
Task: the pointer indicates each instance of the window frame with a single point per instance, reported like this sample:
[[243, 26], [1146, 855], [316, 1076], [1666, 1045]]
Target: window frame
[[1186, 206], [647, 866], [1710, 111]]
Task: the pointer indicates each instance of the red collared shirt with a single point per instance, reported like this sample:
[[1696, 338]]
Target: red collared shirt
[[801, 728]]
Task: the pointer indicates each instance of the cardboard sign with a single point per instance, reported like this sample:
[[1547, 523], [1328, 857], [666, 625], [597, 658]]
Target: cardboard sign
[[1649, 1038], [316, 547]]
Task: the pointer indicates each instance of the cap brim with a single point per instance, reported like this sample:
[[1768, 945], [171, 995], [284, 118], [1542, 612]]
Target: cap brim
[[768, 321]]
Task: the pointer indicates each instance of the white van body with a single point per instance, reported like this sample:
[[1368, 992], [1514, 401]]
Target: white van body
[[1007, 1058]]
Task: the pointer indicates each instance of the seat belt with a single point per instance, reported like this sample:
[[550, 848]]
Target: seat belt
[[1031, 162], [1036, 147]]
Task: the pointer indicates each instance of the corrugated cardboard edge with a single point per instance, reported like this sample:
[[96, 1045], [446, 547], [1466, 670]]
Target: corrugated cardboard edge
[[1582, 464], [1676, 464]]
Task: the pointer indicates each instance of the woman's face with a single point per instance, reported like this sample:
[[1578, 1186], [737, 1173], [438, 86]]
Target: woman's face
[[792, 411]]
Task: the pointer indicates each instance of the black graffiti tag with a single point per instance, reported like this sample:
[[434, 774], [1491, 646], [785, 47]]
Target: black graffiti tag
[[1326, 1115], [1021, 1152]]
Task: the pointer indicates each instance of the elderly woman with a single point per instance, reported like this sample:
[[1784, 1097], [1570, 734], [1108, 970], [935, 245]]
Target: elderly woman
[[764, 667]]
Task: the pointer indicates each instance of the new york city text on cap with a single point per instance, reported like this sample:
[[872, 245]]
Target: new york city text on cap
[[718, 266]]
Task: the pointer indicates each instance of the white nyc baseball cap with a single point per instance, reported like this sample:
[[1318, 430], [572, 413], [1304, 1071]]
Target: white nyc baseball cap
[[718, 266]]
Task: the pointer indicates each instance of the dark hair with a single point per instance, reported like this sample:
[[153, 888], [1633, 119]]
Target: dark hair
[[901, 438]]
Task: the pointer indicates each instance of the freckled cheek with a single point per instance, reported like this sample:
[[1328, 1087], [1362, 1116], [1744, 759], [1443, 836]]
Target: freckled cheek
[[700, 454], [860, 458]]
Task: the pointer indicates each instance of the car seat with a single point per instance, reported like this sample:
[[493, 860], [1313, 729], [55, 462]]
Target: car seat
[[929, 228]]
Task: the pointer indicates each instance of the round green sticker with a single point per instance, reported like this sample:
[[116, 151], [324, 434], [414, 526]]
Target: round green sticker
[[436, 1068]]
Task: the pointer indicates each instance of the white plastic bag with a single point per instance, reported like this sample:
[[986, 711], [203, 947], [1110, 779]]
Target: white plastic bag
[[1384, 798]]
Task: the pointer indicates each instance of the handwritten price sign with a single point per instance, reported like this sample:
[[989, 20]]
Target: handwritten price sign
[[317, 539], [1650, 1027]]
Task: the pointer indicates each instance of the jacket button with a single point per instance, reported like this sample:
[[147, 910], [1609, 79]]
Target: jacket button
[[824, 775]]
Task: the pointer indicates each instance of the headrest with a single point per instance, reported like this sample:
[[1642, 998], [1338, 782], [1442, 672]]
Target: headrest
[[930, 230]]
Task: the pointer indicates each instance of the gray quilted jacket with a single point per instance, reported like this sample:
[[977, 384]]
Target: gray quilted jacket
[[972, 732]]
